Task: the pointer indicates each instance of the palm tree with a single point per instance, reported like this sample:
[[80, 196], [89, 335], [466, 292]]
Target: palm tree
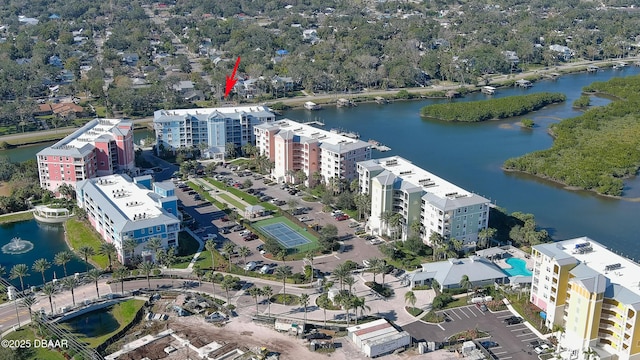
[[244, 252], [360, 303], [396, 221], [255, 292], [485, 236], [129, 247], [374, 267], [41, 265], [340, 273], [62, 258], [588, 353], [228, 248], [347, 302], [382, 269], [350, 281], [28, 301], [282, 256], [120, 274], [147, 268], [210, 245], [304, 302], [71, 282], [199, 272], [386, 218], [109, 250], [324, 303], [410, 297], [227, 284], [466, 284], [436, 240], [267, 292], [19, 271], [154, 244], [416, 228], [292, 203], [211, 277], [309, 257], [49, 290], [86, 252], [283, 272], [94, 275]]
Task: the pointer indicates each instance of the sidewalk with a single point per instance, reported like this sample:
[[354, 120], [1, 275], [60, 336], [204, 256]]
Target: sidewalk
[[212, 188]]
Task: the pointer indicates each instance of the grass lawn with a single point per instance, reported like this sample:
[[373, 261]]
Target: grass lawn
[[9, 218], [413, 311], [188, 246], [27, 333], [248, 198], [80, 233], [289, 299], [457, 303], [232, 201], [205, 195], [124, 313]]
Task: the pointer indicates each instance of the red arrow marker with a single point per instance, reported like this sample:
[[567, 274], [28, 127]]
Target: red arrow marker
[[231, 81]]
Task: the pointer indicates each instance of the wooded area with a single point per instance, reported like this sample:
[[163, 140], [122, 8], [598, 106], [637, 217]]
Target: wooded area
[[597, 150]]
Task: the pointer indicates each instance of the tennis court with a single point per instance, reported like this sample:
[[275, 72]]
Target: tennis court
[[288, 234]]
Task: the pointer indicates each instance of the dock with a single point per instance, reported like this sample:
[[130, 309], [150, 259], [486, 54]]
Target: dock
[[378, 146], [349, 134], [342, 102], [315, 122], [381, 100]]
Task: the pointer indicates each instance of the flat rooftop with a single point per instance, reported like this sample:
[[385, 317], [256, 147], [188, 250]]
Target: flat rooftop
[[599, 258], [222, 110], [311, 132], [133, 200], [101, 127], [419, 177]]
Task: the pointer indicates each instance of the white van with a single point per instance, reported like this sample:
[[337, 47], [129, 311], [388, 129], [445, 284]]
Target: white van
[[251, 265]]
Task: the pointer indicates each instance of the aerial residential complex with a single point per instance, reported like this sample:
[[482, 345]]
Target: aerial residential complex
[[121, 208], [592, 293], [294, 147], [101, 147], [214, 127], [398, 186]]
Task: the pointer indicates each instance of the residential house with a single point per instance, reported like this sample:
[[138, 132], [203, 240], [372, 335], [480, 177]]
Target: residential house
[[27, 20], [130, 59], [563, 52], [280, 82], [54, 60], [511, 57], [310, 35], [184, 86]]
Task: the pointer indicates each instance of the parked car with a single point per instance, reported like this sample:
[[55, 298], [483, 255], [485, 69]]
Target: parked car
[[342, 217], [353, 225], [489, 344], [304, 218], [237, 228], [481, 306], [245, 232], [513, 320], [251, 265], [265, 269]]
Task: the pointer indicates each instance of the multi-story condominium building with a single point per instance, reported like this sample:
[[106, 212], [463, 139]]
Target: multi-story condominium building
[[101, 147], [398, 186], [121, 208], [295, 147], [214, 127], [591, 293]]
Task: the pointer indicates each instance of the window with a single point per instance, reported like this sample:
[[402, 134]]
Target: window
[[158, 228]]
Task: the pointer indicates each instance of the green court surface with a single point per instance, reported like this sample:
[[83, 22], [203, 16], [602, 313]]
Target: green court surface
[[291, 236]]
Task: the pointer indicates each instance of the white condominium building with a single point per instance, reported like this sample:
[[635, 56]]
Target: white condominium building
[[295, 147], [592, 293], [214, 127], [398, 186]]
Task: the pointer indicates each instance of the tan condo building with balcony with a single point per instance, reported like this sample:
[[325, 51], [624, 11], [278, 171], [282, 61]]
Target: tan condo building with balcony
[[297, 148], [591, 293], [396, 185]]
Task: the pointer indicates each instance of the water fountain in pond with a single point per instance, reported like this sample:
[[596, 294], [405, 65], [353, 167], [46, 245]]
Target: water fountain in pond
[[17, 246]]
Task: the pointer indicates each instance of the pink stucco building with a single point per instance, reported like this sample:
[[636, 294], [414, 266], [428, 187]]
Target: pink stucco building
[[101, 147]]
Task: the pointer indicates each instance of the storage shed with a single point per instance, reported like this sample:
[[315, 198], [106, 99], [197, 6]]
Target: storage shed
[[378, 338]]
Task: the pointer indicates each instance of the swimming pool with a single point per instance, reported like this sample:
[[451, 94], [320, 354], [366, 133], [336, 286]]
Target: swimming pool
[[518, 267]]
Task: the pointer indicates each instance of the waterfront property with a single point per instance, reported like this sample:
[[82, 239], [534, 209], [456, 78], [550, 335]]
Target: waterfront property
[[214, 127], [121, 208], [296, 147], [448, 273], [101, 147], [592, 293], [398, 186]]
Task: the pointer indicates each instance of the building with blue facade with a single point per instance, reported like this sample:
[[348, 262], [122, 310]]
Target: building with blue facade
[[122, 208], [214, 127]]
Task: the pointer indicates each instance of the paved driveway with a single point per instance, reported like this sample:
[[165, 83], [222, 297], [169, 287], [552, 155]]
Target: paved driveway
[[513, 340]]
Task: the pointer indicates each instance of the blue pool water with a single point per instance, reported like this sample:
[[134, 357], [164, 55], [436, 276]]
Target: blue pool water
[[518, 267]]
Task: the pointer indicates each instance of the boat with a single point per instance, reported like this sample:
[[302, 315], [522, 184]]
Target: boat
[[378, 145], [381, 100], [488, 90], [524, 83], [311, 106]]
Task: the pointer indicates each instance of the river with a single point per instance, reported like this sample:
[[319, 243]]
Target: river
[[471, 155]]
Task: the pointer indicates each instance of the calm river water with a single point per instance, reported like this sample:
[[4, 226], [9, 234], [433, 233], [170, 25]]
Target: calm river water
[[471, 156]]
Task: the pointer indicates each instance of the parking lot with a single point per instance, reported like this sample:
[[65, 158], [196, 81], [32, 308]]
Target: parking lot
[[210, 220], [513, 341]]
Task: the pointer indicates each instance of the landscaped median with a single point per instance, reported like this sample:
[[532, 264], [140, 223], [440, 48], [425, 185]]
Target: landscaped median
[[78, 234]]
